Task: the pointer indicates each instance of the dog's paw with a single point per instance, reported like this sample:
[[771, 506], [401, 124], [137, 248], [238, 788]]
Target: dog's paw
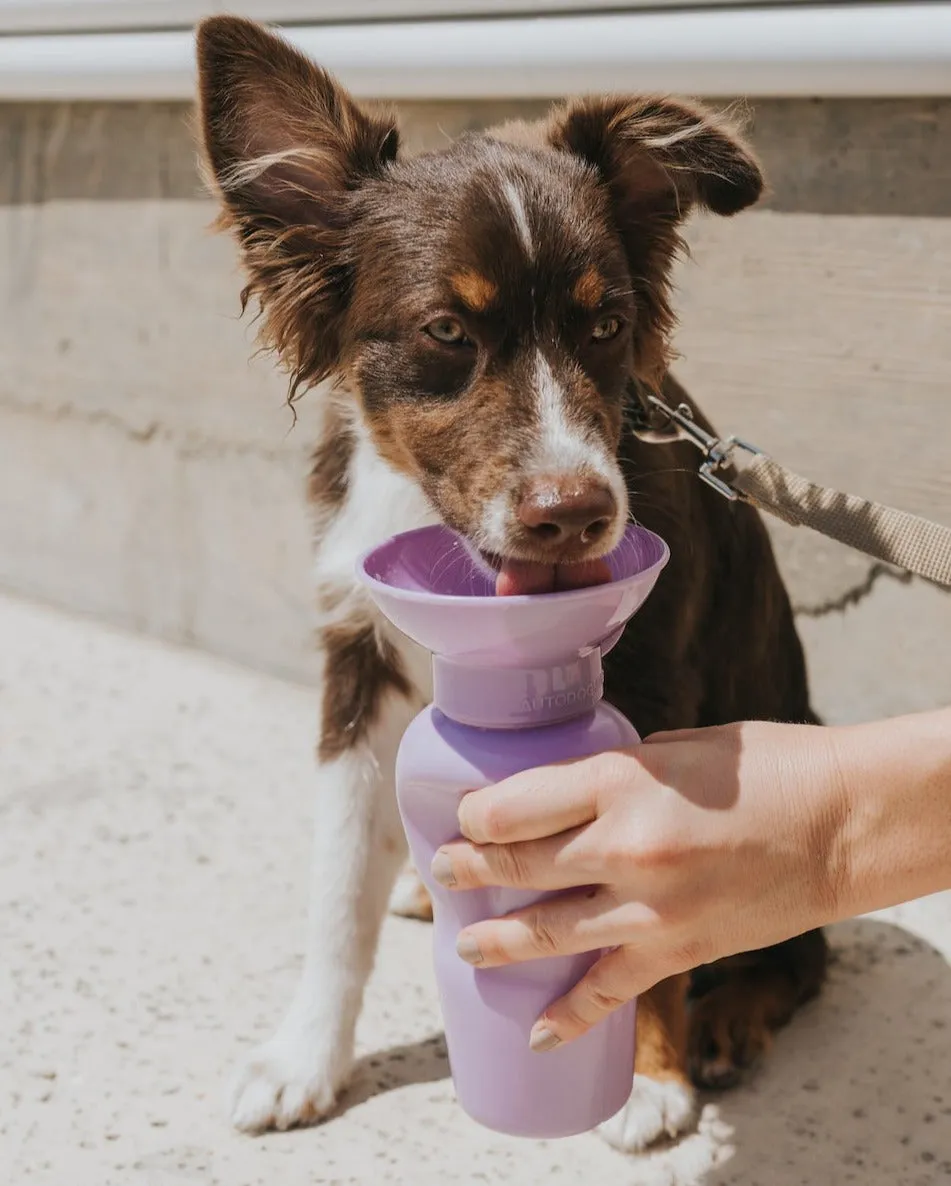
[[655, 1110], [288, 1082], [410, 898]]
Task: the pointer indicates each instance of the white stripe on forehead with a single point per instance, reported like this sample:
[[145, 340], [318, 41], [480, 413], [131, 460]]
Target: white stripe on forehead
[[520, 215]]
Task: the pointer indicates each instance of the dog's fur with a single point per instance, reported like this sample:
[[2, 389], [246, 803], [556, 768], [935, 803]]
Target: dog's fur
[[488, 313]]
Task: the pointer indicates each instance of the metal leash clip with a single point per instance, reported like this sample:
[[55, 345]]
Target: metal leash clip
[[717, 451]]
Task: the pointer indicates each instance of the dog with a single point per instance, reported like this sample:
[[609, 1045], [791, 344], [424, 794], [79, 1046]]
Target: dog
[[489, 318]]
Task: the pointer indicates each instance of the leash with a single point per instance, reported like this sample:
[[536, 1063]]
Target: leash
[[917, 545]]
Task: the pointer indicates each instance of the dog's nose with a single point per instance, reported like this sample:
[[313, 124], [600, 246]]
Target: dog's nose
[[556, 511]]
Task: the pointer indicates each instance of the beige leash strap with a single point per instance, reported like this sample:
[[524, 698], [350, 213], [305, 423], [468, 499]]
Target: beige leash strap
[[895, 537], [907, 541]]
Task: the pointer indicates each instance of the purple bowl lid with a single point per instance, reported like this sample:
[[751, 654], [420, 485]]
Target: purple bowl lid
[[428, 584]]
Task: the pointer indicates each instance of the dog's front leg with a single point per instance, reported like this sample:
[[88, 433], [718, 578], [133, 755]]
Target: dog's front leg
[[296, 1076]]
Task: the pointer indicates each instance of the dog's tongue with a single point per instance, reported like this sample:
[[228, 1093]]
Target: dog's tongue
[[523, 576]]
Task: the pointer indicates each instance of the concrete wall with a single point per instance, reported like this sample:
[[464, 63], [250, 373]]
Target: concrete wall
[[149, 474]]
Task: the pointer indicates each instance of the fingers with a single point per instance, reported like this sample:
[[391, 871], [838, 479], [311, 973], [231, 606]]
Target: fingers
[[533, 804], [614, 980], [571, 923], [557, 862]]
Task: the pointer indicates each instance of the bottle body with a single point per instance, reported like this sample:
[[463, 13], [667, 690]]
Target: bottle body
[[488, 1013]]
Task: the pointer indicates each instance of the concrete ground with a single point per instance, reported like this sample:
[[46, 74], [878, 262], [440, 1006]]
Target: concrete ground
[[155, 810]]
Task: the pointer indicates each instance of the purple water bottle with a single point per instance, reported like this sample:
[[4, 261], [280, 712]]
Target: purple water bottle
[[517, 682]]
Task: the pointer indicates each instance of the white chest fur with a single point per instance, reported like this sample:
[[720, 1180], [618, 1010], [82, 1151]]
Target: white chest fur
[[379, 502]]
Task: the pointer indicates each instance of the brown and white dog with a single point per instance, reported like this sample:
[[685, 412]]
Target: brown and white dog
[[488, 314]]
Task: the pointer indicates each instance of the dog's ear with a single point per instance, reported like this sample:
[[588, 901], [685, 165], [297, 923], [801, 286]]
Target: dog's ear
[[287, 148], [659, 159], [661, 156]]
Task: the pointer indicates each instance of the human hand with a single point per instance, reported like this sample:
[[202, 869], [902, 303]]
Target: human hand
[[692, 846]]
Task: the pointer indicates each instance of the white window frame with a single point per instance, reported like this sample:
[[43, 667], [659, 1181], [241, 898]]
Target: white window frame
[[794, 49], [64, 16]]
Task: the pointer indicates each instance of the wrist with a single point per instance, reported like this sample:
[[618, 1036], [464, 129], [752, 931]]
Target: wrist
[[818, 812], [838, 823], [889, 842]]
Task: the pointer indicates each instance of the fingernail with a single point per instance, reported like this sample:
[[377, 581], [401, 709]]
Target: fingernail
[[468, 949], [441, 869], [542, 1039]]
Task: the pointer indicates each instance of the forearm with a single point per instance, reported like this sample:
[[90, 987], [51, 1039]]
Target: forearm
[[893, 836]]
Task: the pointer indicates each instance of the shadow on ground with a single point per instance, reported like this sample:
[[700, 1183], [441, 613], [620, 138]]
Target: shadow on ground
[[858, 1088], [425, 1061]]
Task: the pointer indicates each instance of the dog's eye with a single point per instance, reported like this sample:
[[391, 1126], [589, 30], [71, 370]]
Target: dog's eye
[[447, 330], [605, 329]]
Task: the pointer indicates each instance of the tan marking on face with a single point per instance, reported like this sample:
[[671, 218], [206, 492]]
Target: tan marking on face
[[588, 289], [475, 289]]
